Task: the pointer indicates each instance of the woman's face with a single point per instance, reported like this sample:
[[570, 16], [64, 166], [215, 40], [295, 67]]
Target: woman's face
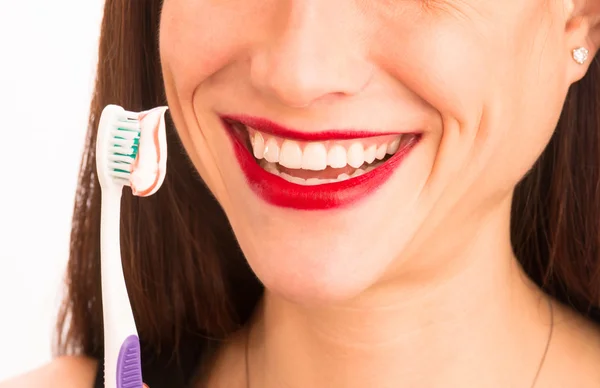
[[470, 89]]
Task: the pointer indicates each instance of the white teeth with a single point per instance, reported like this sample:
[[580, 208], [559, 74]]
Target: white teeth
[[258, 145], [272, 151], [307, 182], [370, 154], [270, 167], [290, 155], [336, 157], [273, 169], [293, 179], [393, 146], [315, 181], [314, 157], [381, 151], [358, 172], [356, 155]]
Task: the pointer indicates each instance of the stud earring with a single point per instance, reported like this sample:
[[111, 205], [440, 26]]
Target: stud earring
[[580, 55]]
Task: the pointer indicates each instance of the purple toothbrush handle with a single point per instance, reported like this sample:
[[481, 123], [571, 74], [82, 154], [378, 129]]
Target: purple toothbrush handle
[[129, 364]]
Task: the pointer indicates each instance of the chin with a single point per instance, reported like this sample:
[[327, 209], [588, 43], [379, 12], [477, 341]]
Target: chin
[[315, 291], [314, 277]]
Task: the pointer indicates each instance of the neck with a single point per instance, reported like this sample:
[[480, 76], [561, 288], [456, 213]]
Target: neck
[[462, 323]]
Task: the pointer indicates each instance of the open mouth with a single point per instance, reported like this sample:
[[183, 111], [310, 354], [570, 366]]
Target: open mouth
[[314, 171], [319, 162]]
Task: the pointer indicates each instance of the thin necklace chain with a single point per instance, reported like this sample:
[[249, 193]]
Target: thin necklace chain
[[543, 360], [535, 379]]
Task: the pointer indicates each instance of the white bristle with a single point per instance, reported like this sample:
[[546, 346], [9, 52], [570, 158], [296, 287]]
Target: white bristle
[[119, 174], [122, 142], [130, 125], [120, 158], [123, 181], [126, 133], [124, 136], [119, 134], [120, 166], [121, 150]]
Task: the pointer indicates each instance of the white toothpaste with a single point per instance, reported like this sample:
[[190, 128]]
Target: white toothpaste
[[150, 167]]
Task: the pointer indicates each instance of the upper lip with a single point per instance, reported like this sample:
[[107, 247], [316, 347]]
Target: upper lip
[[269, 127]]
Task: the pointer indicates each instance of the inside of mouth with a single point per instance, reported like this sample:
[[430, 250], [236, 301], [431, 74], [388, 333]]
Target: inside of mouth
[[328, 175], [308, 177]]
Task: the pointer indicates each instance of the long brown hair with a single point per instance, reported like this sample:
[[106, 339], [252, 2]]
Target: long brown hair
[[187, 278]]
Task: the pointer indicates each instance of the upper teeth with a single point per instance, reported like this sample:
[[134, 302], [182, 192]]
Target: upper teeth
[[317, 156]]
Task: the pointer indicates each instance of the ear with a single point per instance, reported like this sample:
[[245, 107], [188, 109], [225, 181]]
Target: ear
[[582, 31]]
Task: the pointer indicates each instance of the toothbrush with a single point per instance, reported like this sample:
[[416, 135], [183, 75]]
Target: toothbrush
[[122, 139]]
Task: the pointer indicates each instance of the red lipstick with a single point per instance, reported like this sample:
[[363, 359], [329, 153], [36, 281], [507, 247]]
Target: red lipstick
[[279, 192], [269, 127]]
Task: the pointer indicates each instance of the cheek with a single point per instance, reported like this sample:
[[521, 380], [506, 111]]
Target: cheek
[[199, 38], [442, 61], [446, 64], [495, 79], [525, 99]]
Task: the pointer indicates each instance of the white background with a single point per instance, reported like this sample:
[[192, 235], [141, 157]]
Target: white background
[[47, 61]]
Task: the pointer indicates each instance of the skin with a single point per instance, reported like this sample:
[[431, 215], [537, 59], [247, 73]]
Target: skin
[[63, 372], [418, 286], [473, 76]]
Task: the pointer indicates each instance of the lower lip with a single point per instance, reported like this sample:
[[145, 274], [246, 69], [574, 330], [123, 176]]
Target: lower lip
[[279, 192]]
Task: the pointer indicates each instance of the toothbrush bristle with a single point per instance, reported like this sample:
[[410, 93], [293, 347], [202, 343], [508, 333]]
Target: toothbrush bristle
[[125, 140]]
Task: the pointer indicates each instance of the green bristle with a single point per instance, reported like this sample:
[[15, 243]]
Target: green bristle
[[134, 147]]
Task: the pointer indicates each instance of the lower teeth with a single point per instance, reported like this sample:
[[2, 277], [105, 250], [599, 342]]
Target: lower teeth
[[272, 168]]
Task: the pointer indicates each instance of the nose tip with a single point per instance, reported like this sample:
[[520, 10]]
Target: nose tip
[[299, 79]]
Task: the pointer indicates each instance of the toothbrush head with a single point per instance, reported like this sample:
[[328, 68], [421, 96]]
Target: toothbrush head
[[117, 146], [131, 149]]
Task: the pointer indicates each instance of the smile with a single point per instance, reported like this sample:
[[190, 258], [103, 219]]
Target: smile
[[314, 171]]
